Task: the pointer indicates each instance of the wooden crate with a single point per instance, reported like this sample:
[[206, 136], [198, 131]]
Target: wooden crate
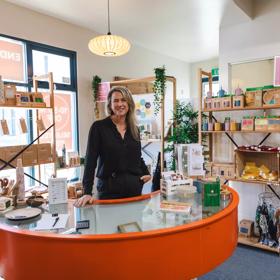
[[269, 159], [238, 101]]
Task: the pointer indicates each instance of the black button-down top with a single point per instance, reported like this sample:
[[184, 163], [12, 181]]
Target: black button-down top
[[113, 153]]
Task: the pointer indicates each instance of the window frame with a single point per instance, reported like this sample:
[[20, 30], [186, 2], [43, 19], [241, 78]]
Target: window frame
[[73, 87]]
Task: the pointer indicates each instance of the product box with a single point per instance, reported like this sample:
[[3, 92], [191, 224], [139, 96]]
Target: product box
[[208, 103], [226, 102], [238, 101], [246, 228], [10, 152], [273, 124], [211, 193], [10, 95], [253, 98], [248, 123], [261, 124], [44, 153], [30, 156]]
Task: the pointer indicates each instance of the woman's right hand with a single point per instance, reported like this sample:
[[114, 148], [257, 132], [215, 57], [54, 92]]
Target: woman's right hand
[[82, 201]]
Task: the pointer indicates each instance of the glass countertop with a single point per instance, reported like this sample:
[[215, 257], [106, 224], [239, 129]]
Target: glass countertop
[[141, 215]]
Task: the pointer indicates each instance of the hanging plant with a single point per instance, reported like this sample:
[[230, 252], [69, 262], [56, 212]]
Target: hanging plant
[[96, 80], [159, 88]]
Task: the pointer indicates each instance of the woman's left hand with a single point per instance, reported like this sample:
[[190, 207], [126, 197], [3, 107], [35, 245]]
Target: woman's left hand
[[146, 178]]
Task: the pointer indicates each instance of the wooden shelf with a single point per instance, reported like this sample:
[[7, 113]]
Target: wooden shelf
[[242, 109], [252, 181], [253, 242], [240, 131], [68, 167], [259, 152], [24, 107]]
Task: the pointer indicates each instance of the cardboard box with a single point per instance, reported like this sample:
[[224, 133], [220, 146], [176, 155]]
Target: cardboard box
[[261, 124], [44, 153], [2, 156], [273, 124], [246, 228], [248, 124], [10, 152], [30, 156], [211, 193], [238, 101], [226, 102], [253, 98]]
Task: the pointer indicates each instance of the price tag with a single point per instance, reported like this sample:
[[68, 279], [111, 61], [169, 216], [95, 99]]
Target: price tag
[[5, 128], [23, 125]]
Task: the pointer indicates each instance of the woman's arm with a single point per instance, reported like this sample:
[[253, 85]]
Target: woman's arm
[[92, 154]]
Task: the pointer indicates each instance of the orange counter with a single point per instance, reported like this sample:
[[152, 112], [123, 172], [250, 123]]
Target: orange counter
[[177, 253]]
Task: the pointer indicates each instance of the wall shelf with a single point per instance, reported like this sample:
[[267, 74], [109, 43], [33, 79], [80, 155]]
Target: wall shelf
[[241, 131], [253, 242], [242, 109]]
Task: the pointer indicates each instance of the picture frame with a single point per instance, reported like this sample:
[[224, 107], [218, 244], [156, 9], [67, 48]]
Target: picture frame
[[129, 227]]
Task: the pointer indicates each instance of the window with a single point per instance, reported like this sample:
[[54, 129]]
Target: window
[[215, 86], [19, 61]]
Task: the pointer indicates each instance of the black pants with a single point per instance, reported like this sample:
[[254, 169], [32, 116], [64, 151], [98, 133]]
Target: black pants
[[119, 186]]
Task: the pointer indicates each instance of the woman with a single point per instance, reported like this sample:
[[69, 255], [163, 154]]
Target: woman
[[115, 143]]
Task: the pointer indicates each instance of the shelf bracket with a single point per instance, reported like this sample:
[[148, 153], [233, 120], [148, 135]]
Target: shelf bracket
[[25, 148], [264, 139], [231, 139], [26, 174], [271, 188]]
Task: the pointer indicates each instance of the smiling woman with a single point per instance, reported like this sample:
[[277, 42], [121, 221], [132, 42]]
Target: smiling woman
[[115, 144]]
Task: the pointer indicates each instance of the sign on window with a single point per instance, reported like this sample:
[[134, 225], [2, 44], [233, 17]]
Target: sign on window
[[12, 60]]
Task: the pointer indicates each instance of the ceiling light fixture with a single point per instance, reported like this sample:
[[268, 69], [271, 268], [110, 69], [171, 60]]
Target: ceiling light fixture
[[109, 45]]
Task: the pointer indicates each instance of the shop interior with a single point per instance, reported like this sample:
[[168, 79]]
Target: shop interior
[[204, 77]]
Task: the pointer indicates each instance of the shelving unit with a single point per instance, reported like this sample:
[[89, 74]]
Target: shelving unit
[[252, 241], [6, 163]]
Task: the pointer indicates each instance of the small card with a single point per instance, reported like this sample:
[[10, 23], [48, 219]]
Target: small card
[[5, 128], [58, 190], [49, 222], [40, 124], [23, 125]]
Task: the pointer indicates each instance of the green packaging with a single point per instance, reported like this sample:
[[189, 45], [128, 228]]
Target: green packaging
[[211, 194]]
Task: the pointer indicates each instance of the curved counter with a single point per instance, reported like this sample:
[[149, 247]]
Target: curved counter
[[179, 248]]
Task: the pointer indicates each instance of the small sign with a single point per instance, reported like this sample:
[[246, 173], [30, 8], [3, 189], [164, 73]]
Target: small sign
[[57, 190]]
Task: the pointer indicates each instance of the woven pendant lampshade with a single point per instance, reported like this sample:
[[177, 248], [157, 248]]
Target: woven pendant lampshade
[[109, 45]]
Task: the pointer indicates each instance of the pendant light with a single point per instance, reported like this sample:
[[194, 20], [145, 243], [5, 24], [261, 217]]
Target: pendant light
[[109, 45]]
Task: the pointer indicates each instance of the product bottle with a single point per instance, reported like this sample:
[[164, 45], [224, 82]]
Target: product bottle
[[2, 97], [64, 155], [20, 180]]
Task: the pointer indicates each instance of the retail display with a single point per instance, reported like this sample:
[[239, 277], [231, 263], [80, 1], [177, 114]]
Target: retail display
[[252, 164]]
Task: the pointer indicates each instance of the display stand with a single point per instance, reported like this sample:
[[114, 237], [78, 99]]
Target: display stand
[[8, 162], [145, 85], [240, 156]]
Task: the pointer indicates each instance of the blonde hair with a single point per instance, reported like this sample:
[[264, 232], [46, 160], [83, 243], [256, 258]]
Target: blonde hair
[[130, 116]]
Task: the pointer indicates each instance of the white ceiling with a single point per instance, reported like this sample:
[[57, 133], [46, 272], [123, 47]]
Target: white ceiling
[[184, 29]]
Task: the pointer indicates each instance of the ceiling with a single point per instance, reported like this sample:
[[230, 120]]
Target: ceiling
[[184, 29]]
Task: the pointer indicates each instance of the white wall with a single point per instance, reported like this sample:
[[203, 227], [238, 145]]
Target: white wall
[[249, 40], [139, 62]]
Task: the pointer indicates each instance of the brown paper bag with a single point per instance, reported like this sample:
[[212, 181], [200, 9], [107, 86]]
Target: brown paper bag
[[23, 125], [5, 128]]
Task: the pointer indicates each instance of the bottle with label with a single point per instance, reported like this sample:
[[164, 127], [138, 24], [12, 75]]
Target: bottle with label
[[2, 95], [20, 180], [64, 156]]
